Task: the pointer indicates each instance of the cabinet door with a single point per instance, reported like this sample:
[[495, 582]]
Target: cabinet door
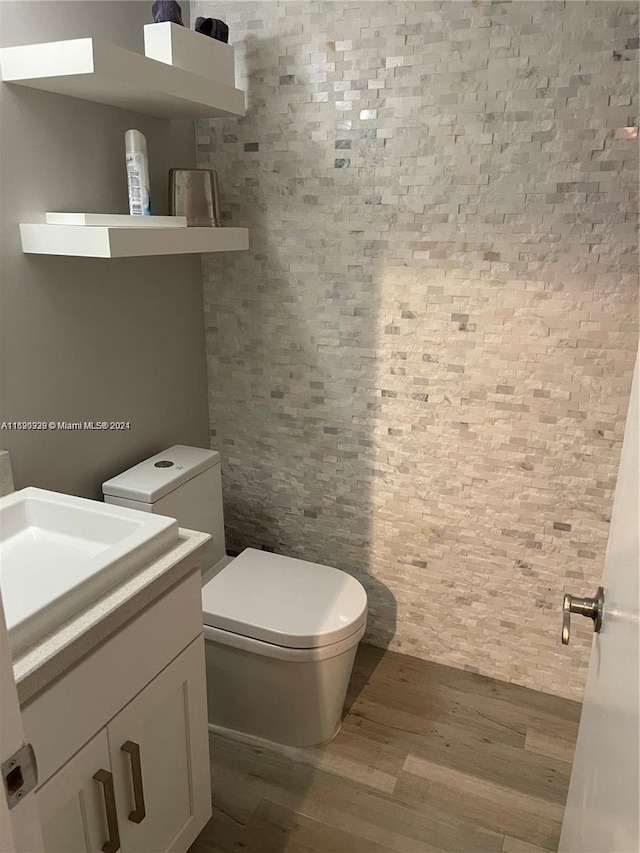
[[162, 783], [72, 804]]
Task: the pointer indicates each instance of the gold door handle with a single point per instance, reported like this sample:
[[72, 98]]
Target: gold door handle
[[138, 814], [112, 844], [591, 607]]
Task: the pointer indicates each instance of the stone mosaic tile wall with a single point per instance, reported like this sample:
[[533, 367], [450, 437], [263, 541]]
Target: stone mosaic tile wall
[[419, 372], [6, 474]]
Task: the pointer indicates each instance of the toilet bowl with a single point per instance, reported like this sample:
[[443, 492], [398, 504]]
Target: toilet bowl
[[279, 659], [281, 634]]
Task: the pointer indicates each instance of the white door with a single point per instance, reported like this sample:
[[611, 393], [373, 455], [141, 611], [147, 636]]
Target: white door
[[20, 825], [602, 814], [160, 758], [74, 806]]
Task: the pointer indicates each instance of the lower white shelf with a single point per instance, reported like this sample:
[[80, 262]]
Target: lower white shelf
[[95, 241]]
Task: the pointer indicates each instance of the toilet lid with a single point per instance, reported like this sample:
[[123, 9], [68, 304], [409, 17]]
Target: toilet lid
[[284, 601]]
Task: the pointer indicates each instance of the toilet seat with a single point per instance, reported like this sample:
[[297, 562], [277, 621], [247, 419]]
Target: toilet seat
[[284, 602], [282, 653]]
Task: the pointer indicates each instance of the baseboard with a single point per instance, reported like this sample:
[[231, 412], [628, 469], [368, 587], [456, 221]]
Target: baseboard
[[253, 740]]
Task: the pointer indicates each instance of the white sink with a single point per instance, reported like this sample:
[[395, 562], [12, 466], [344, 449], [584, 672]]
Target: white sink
[[59, 553]]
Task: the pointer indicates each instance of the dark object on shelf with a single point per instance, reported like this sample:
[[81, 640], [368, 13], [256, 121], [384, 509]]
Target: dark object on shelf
[[167, 10], [214, 28]]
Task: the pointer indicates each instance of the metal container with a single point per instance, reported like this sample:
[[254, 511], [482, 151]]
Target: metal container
[[194, 193]]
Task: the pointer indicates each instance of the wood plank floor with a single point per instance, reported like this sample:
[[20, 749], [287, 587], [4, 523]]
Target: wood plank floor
[[429, 759]]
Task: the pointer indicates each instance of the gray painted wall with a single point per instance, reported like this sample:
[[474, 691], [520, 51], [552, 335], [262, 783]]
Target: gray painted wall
[[90, 339]]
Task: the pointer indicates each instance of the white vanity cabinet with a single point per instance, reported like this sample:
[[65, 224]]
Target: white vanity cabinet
[[140, 782]]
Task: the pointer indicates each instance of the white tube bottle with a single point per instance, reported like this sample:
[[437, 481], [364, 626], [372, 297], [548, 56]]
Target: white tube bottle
[[137, 173]]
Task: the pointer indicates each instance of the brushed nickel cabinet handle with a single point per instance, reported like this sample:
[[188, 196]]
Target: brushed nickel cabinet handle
[[138, 814], [112, 844]]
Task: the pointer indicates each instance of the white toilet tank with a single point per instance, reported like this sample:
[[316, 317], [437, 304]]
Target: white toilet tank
[[182, 482]]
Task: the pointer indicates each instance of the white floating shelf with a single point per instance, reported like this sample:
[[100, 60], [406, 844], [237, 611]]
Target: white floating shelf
[[96, 71], [94, 241], [191, 51], [115, 220]]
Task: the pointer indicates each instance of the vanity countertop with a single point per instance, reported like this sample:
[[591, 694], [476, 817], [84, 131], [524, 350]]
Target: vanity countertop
[[43, 662]]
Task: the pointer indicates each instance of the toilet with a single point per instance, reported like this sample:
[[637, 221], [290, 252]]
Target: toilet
[[280, 633]]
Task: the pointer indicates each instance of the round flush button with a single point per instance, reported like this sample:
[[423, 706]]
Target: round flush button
[[164, 463]]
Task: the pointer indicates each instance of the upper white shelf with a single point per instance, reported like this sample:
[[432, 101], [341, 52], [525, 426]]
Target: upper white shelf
[[96, 71]]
